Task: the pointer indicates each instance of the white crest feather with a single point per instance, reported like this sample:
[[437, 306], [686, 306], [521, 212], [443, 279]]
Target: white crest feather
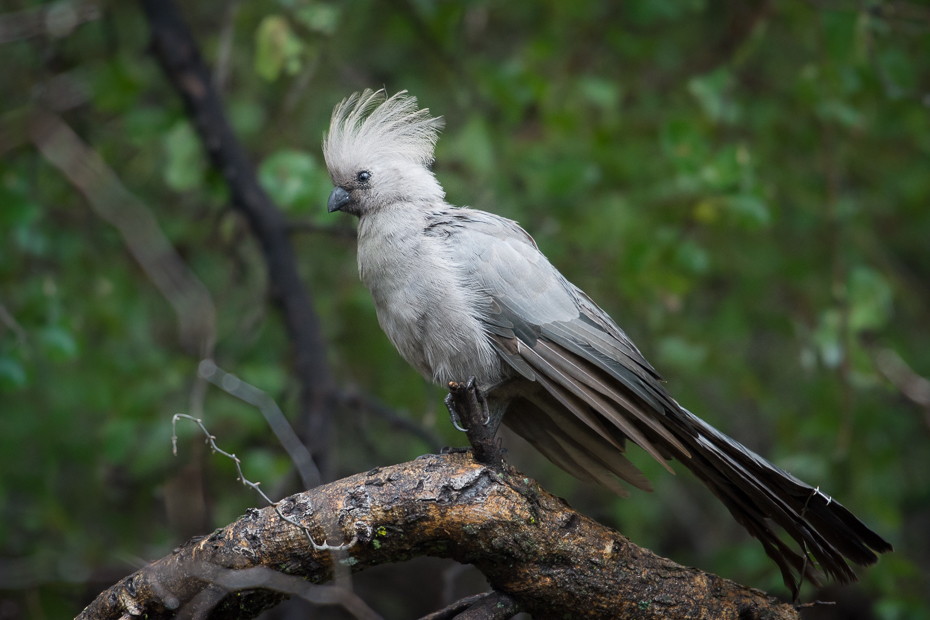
[[370, 125]]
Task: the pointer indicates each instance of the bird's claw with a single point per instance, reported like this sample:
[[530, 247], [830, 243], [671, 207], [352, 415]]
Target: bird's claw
[[453, 414], [472, 384]]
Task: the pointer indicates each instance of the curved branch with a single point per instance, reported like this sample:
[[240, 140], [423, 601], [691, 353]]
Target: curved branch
[[531, 546]]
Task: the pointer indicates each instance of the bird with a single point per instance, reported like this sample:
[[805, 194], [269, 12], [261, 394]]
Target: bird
[[465, 294]]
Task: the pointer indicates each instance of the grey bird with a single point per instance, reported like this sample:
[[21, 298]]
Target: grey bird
[[462, 293]]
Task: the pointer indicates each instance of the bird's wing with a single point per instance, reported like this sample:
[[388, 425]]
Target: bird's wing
[[551, 332], [598, 390]]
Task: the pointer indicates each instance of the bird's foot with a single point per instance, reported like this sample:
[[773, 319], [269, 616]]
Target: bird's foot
[[479, 396]]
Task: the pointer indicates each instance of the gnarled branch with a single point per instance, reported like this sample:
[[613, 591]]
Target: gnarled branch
[[529, 544]]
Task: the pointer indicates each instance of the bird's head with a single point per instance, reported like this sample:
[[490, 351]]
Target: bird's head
[[378, 152]]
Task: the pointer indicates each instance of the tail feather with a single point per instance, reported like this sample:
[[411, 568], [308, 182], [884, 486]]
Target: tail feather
[[584, 407], [754, 490]]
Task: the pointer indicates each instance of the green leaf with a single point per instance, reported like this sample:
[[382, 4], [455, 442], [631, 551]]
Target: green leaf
[[277, 48], [475, 147], [289, 176], [185, 167], [712, 93], [12, 374], [246, 116], [840, 29], [685, 144], [678, 352], [841, 113], [870, 299], [17, 209], [749, 211], [58, 344], [828, 338], [602, 93], [116, 86], [897, 69], [146, 124], [319, 17], [690, 255]]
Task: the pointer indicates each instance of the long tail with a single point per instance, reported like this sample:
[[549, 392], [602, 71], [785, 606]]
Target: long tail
[[586, 406], [755, 491]]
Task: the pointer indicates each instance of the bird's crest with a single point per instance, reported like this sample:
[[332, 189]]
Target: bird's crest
[[371, 125]]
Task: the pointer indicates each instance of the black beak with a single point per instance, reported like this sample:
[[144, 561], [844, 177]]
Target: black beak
[[338, 199]]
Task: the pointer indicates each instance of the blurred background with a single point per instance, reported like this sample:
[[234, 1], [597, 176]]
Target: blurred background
[[743, 186]]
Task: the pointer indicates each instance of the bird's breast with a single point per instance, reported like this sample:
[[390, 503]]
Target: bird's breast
[[426, 309]]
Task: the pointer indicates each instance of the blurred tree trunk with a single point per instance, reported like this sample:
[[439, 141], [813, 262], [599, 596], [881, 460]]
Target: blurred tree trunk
[[176, 50]]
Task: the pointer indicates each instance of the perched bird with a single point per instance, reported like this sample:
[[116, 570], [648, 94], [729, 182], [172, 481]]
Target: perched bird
[[462, 293]]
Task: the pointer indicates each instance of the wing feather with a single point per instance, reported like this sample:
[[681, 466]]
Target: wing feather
[[532, 356]]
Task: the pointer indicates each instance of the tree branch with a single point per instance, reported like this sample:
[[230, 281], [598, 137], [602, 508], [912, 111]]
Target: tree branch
[[355, 400], [177, 52], [490, 606], [529, 544]]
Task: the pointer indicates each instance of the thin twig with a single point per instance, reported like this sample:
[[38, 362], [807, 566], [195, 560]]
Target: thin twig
[[300, 85], [353, 399], [300, 455], [211, 440], [264, 577], [813, 604], [55, 20], [113, 202], [224, 53], [10, 321], [913, 386]]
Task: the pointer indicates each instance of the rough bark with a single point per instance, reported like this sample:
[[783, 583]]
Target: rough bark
[[554, 562], [176, 50]]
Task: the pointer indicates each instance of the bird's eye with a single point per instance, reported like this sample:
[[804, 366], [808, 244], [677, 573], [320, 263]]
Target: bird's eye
[[363, 176]]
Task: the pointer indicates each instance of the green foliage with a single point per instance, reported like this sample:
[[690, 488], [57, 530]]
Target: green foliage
[[293, 179], [185, 165], [277, 48], [751, 207]]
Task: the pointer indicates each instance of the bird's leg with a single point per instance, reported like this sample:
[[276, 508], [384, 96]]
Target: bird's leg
[[467, 406], [479, 396]]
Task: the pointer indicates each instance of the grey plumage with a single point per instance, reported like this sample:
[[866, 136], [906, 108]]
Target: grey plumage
[[464, 293]]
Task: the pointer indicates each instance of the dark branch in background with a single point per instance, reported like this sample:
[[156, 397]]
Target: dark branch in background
[[915, 387], [110, 200], [177, 52], [490, 606], [53, 20], [744, 17], [300, 456], [363, 403]]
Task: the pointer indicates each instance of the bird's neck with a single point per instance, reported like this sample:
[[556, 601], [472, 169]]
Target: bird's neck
[[389, 243]]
